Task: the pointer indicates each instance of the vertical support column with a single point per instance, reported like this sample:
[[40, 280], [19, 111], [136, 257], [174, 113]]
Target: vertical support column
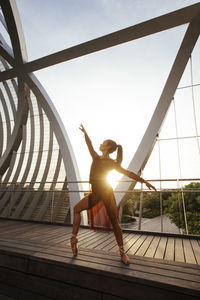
[[161, 202], [140, 210], [52, 201]]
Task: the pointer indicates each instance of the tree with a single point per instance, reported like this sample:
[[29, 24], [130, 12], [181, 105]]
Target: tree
[[150, 206], [129, 209], [174, 207]]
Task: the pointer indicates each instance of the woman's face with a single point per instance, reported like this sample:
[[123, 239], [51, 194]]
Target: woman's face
[[104, 146]]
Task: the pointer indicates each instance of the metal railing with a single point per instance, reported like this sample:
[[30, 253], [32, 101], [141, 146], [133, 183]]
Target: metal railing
[[54, 190]]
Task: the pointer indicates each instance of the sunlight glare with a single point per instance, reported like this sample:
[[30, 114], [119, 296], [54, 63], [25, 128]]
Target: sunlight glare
[[113, 178]]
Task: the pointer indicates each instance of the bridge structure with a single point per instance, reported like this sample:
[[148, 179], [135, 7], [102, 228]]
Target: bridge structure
[[40, 183]]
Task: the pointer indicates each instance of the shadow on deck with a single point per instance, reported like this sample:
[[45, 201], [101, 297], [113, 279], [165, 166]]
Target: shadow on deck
[[36, 263]]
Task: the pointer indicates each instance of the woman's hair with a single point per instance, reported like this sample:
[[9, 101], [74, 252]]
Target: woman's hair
[[113, 146]]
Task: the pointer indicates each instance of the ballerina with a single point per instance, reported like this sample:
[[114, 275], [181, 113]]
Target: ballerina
[[102, 191]]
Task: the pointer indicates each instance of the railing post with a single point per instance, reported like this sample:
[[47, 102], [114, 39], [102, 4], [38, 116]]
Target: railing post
[[140, 211], [120, 212], [52, 201], [161, 212], [161, 202], [11, 197]]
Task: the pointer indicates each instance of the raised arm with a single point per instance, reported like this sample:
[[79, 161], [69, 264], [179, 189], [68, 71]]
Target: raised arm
[[133, 176], [88, 142]]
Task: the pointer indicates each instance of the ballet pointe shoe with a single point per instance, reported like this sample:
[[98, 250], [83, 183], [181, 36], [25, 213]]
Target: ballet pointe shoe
[[74, 246], [124, 257]]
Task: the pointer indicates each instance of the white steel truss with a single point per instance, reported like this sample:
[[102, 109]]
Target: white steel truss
[[29, 101]]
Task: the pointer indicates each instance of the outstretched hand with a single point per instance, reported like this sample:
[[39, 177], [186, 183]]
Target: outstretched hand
[[82, 128], [150, 186]]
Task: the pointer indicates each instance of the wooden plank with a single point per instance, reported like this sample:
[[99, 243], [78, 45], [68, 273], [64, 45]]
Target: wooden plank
[[8, 222], [14, 228], [168, 265], [133, 239], [49, 231], [90, 237], [63, 238], [113, 246], [6, 225], [152, 247], [100, 261], [40, 231], [24, 230], [196, 250], [142, 250], [95, 238], [108, 244], [21, 248], [21, 230], [189, 254], [99, 240], [169, 253], [179, 253], [137, 270], [126, 239], [83, 234], [134, 248], [160, 251], [55, 235], [22, 243], [66, 252]]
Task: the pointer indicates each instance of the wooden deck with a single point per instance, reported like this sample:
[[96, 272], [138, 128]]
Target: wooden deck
[[36, 260]]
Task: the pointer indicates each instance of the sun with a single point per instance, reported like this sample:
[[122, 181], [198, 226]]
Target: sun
[[113, 178]]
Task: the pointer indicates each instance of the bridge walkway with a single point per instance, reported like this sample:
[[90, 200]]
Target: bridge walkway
[[36, 261]]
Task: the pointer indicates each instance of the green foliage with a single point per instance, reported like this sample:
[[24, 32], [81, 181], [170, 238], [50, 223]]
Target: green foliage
[[174, 207], [127, 219], [150, 207], [129, 207]]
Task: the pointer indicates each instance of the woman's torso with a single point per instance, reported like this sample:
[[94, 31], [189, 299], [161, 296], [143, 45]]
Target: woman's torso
[[98, 173]]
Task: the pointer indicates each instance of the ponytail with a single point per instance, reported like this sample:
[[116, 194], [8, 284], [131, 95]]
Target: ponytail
[[113, 147], [119, 154]]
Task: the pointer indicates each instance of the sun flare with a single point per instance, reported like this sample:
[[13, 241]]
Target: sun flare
[[113, 178]]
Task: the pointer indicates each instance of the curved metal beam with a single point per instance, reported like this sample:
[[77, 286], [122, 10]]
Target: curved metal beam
[[26, 198], [14, 28], [5, 198], [12, 18], [20, 167], [69, 160], [49, 195], [1, 135], [6, 113], [16, 137], [40, 192], [3, 186]]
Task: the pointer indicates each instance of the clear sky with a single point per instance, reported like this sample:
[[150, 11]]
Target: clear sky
[[113, 92]]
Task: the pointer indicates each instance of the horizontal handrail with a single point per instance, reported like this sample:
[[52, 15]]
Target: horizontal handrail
[[86, 181], [117, 191]]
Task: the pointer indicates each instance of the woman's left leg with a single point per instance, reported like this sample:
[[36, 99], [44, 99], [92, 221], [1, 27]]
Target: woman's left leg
[[112, 211]]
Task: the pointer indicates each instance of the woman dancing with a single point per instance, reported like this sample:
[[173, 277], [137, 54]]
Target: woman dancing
[[102, 191]]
